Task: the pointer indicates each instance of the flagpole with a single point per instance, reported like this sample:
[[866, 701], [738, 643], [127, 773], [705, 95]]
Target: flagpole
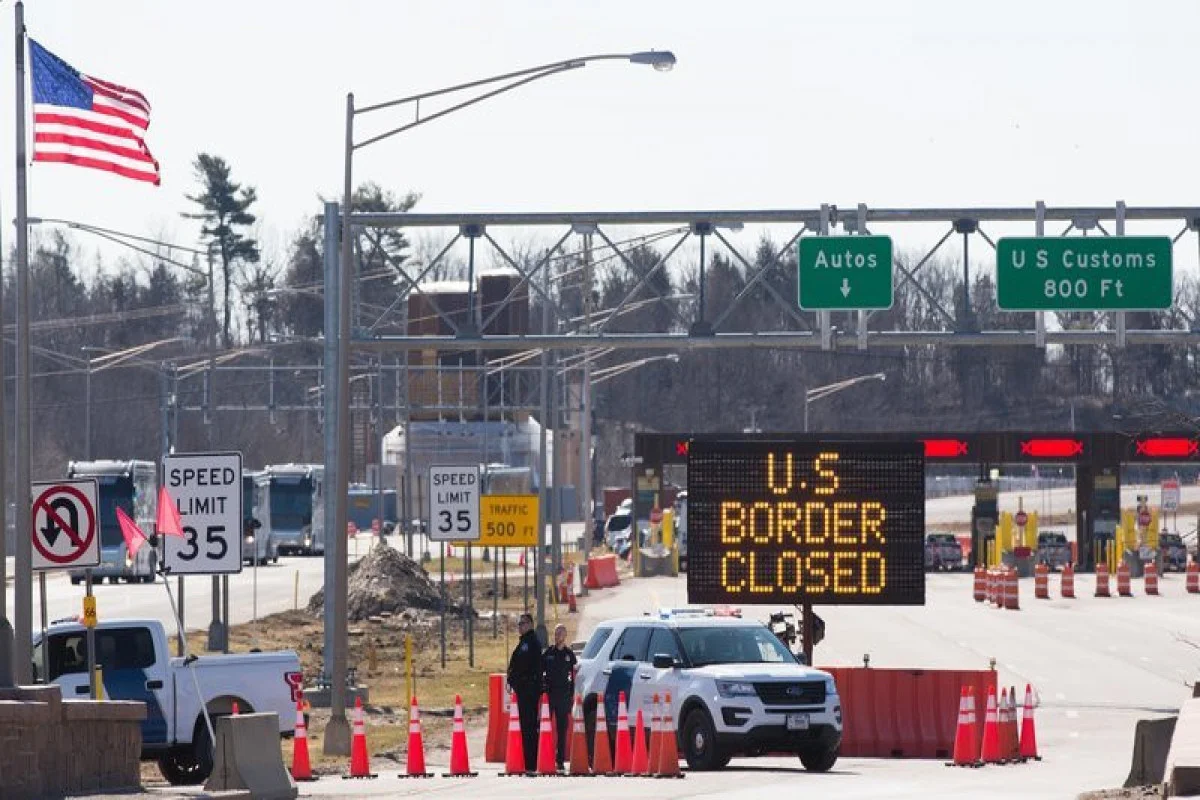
[[23, 583]]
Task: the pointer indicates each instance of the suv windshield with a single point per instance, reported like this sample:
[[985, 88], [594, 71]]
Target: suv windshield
[[1052, 538], [619, 522], [732, 645], [941, 538]]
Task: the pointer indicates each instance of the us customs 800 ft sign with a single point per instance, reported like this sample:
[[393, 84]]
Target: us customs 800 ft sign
[[806, 522]]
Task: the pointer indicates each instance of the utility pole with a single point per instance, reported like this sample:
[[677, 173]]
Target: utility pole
[[218, 631], [539, 585], [585, 422]]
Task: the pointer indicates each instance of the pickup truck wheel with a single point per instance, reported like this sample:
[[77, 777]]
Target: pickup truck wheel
[[180, 767], [700, 747], [819, 760]]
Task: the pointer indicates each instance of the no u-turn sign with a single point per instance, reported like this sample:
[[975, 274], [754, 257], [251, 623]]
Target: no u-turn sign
[[66, 531]]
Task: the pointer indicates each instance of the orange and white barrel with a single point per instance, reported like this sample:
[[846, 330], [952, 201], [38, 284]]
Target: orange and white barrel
[[1041, 582]]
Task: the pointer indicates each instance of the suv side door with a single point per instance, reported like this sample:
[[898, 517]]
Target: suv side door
[[663, 641], [624, 662]]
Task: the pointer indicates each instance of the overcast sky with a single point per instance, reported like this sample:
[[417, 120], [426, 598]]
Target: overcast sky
[[772, 105]]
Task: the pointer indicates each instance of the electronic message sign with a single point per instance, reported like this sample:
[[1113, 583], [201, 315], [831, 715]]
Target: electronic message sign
[[797, 521]]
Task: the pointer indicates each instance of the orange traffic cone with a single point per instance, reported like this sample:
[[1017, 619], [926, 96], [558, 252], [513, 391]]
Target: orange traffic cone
[[965, 752], [360, 763], [623, 762], [990, 753], [655, 734], [579, 753], [460, 762], [545, 756], [416, 745], [514, 753], [641, 759], [301, 767], [668, 754], [1028, 734], [601, 753]]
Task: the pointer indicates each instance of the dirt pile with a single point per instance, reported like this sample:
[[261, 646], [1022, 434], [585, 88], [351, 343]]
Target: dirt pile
[[384, 580]]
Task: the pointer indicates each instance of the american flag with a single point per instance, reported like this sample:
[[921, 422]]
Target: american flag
[[88, 122]]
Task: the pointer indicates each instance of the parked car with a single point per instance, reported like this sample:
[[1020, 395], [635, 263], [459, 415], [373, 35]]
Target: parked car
[[1053, 549], [1174, 552], [943, 551], [137, 665]]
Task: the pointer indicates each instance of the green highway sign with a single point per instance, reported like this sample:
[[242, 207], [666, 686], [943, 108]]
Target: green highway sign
[[844, 273], [1112, 273]]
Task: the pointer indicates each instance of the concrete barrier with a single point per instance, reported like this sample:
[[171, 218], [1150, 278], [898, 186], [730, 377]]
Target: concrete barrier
[[248, 756], [654, 564], [1151, 744], [1182, 770]]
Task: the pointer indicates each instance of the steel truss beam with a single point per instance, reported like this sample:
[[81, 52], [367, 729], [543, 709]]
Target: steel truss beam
[[796, 331]]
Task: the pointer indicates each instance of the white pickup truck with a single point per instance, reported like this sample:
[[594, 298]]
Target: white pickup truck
[[137, 665]]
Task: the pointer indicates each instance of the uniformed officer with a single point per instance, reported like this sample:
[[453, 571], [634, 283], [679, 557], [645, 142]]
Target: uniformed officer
[[525, 679], [558, 671]]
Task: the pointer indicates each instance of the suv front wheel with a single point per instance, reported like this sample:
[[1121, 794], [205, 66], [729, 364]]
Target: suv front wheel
[[700, 748], [819, 760]]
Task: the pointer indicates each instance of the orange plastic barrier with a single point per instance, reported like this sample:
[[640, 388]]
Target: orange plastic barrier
[[602, 572], [905, 713], [496, 746]]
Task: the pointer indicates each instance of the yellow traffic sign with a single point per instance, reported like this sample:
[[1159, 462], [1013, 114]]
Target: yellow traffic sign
[[507, 520], [89, 611]]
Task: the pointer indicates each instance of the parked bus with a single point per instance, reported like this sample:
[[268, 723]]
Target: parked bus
[[132, 486], [289, 504], [257, 541]]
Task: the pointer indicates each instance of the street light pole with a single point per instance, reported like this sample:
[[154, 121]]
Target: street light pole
[[87, 412], [337, 733]]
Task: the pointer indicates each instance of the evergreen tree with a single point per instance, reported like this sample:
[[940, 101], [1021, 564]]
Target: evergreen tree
[[225, 214]]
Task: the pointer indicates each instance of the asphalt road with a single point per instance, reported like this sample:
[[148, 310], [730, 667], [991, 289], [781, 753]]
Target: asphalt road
[[957, 508]]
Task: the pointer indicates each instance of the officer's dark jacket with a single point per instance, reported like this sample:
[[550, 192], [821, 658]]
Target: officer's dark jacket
[[525, 665]]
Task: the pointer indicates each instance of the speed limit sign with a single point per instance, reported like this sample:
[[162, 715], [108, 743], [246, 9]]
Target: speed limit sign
[[207, 490], [454, 504]]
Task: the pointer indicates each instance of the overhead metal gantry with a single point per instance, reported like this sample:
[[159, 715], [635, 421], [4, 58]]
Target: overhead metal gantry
[[474, 236]]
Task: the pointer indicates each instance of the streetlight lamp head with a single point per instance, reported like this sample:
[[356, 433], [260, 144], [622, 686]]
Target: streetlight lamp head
[[663, 61]]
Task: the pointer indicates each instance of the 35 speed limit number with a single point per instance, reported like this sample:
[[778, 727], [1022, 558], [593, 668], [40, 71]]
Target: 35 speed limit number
[[454, 504]]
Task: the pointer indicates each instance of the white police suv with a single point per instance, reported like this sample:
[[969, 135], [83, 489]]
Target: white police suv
[[735, 689]]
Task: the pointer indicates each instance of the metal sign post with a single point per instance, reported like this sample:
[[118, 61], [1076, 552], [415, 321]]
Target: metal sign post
[[91, 639], [65, 534], [454, 517]]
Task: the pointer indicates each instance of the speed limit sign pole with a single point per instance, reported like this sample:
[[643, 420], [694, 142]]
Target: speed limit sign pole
[[453, 516]]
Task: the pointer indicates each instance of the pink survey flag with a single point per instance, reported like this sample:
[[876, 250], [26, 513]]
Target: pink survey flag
[[134, 538], [168, 522]]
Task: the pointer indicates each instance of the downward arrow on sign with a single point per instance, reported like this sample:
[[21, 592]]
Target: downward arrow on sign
[[845, 287]]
